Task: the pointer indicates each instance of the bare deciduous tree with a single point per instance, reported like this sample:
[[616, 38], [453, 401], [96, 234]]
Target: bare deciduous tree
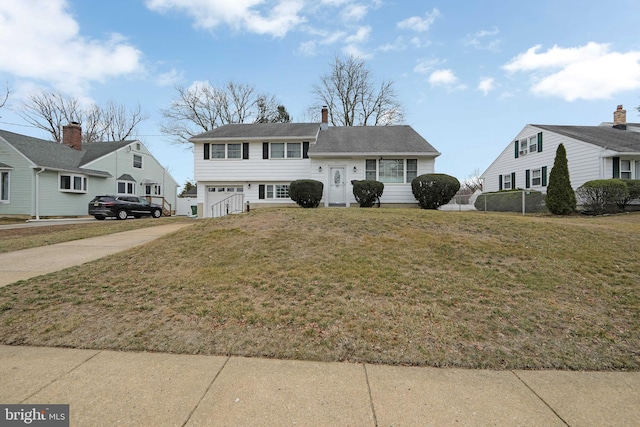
[[354, 99], [50, 111], [204, 107], [473, 183]]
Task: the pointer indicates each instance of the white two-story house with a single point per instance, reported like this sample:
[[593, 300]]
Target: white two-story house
[[610, 150], [242, 165]]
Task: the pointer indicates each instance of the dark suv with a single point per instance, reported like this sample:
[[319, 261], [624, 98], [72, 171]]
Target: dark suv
[[122, 207]]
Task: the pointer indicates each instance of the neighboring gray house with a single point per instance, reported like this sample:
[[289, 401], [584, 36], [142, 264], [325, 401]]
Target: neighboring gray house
[[611, 150], [255, 163], [42, 178]]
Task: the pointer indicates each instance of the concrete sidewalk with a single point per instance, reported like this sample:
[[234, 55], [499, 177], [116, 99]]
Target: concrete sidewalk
[[27, 263], [107, 388]]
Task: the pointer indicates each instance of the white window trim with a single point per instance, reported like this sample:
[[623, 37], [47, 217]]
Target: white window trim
[[8, 189], [141, 161], [226, 151], [275, 195], [539, 170], [72, 176], [286, 151], [405, 179], [507, 178], [126, 184]]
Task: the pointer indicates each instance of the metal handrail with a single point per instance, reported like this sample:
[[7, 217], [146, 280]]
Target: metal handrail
[[230, 205]]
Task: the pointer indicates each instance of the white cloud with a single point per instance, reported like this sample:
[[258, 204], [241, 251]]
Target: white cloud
[[275, 20], [169, 78], [39, 39], [585, 72], [485, 40], [418, 24], [354, 12], [486, 85], [424, 66], [445, 78], [360, 36]]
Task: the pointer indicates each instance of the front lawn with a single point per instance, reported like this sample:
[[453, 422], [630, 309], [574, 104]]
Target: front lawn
[[393, 286]]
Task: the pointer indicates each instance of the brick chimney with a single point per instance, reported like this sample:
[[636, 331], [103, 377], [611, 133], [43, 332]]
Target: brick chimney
[[72, 135], [619, 116], [325, 118]]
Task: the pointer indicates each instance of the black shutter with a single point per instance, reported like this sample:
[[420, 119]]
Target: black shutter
[[305, 150], [616, 167], [513, 180], [517, 147], [245, 150], [539, 142], [206, 151], [265, 150], [544, 176], [261, 191], [527, 178], [500, 182]]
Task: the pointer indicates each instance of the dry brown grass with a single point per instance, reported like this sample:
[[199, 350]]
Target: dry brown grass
[[388, 286]]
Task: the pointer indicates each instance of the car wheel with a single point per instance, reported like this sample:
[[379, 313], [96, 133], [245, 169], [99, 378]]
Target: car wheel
[[99, 217], [122, 214], [157, 213]]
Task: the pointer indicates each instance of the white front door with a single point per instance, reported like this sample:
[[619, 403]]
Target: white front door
[[337, 186]]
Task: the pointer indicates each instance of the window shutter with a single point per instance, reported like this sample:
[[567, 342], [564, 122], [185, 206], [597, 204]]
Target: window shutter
[[513, 180], [539, 142], [206, 151], [265, 150], [616, 167], [544, 176], [305, 150], [516, 144], [261, 191], [245, 150], [500, 182], [527, 178]]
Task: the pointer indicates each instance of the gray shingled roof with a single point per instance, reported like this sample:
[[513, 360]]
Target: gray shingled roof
[[339, 140], [261, 130], [371, 139], [57, 156], [623, 141]]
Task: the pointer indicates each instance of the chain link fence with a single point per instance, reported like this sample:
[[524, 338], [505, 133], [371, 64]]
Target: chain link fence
[[520, 201]]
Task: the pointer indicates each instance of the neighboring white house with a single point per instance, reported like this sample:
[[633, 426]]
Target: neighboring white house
[[254, 164], [40, 178], [611, 150]]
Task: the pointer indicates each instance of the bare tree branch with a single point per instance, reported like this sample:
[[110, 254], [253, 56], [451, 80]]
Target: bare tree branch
[[349, 92], [50, 111], [6, 97], [202, 108]]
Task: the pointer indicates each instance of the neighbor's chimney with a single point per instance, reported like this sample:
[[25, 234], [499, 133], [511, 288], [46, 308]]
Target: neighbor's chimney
[[325, 118], [619, 116], [72, 135]]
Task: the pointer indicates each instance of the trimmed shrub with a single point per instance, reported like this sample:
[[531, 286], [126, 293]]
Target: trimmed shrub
[[603, 195], [306, 192], [433, 190], [511, 201], [633, 185], [560, 199], [367, 192]]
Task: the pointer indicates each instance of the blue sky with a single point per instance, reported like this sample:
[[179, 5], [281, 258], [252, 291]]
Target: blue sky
[[470, 74]]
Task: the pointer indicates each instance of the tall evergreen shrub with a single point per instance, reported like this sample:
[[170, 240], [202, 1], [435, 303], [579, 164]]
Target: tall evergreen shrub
[[560, 199], [306, 192], [433, 190]]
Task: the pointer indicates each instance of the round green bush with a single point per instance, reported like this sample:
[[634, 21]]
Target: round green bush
[[633, 187], [367, 192], [433, 190], [306, 192]]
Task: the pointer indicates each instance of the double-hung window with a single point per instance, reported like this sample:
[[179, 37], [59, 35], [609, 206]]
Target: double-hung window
[[137, 161], [273, 191], [225, 151], [126, 187], [625, 169], [391, 171], [506, 182], [536, 177], [72, 183], [285, 150], [533, 144], [4, 186]]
